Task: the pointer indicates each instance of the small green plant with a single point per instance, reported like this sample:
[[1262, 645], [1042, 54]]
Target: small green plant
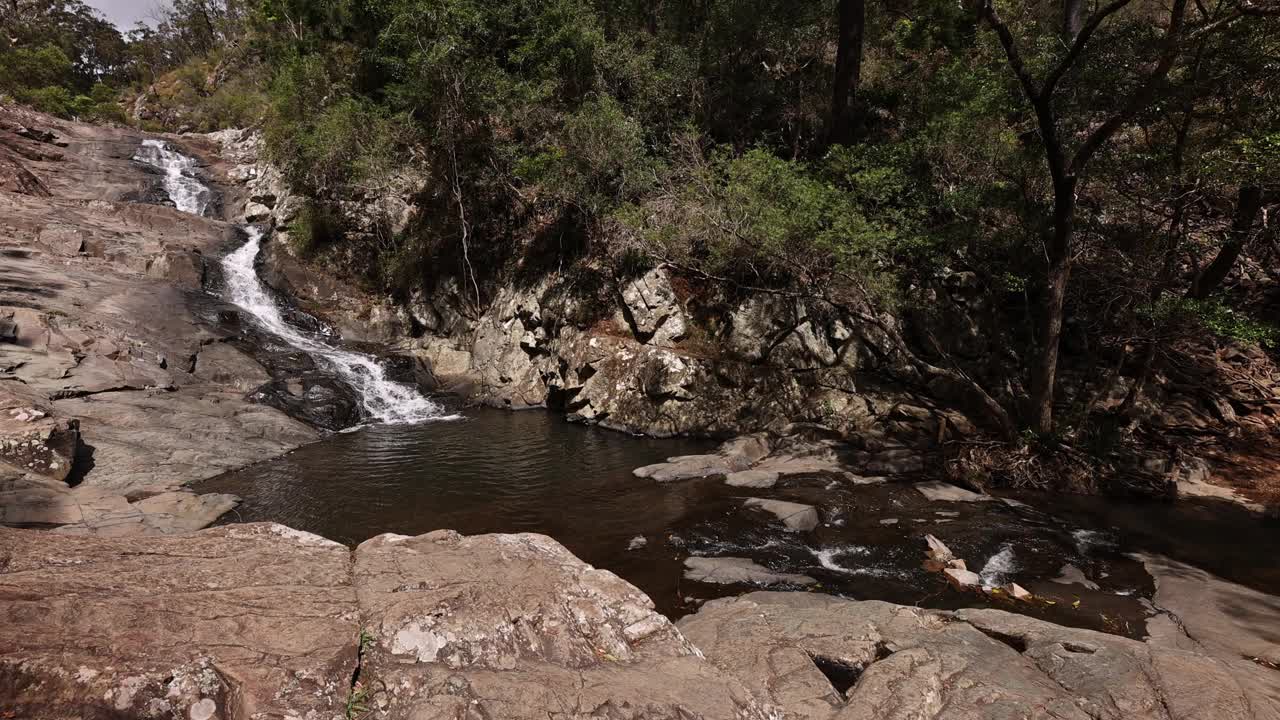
[[356, 701], [1216, 317]]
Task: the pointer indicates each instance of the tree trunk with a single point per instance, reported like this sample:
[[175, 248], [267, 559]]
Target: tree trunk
[[852, 18], [1248, 206], [1072, 18], [1045, 374]]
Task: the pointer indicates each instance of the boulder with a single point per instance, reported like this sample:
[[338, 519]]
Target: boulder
[[733, 571], [796, 516], [685, 467], [944, 492], [653, 309], [514, 627], [1017, 592], [255, 211], [938, 551], [963, 578], [818, 657], [753, 478]]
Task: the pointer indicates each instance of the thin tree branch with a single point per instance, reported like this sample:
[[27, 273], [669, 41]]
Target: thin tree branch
[[987, 10], [1081, 40], [1142, 97]]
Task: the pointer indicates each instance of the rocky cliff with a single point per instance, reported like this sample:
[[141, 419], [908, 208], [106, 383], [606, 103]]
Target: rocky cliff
[[628, 353]]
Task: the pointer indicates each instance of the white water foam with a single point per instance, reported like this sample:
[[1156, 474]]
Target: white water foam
[[827, 558], [184, 189], [383, 399], [999, 568]]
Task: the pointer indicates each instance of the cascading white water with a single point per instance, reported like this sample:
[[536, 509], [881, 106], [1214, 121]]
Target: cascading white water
[[999, 568], [184, 189], [383, 399]]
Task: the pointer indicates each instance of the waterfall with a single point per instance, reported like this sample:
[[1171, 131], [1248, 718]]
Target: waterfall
[[184, 189], [383, 399]]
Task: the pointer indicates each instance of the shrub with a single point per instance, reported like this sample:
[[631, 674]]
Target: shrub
[[1178, 315], [599, 160], [760, 220], [55, 100]]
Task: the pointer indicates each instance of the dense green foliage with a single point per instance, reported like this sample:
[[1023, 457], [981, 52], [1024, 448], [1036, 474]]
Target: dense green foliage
[[60, 57], [1092, 179]]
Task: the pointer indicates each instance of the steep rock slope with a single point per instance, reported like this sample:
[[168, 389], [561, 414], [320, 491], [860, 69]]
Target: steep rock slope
[[113, 375]]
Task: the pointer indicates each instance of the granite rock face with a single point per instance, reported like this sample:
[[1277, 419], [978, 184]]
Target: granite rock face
[[234, 622], [114, 388], [816, 656], [260, 621], [514, 626]]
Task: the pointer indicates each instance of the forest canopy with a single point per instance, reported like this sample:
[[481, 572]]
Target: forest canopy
[[1103, 167]]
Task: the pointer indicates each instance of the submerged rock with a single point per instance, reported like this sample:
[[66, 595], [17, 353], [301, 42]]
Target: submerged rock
[[731, 571], [798, 517], [945, 492], [1072, 575]]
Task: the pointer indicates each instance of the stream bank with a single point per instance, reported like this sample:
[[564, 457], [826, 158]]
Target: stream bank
[[455, 623]]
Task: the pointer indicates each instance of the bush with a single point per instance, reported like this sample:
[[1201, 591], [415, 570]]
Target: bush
[[324, 149], [314, 227], [760, 220], [1179, 315], [55, 100], [599, 161]]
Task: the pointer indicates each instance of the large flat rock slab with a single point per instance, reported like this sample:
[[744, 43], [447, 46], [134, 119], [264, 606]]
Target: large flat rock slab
[[234, 622], [1210, 615], [514, 626], [258, 621], [816, 656]]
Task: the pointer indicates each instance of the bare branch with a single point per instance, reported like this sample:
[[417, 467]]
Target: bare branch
[[1142, 97], [987, 11], [1082, 39]]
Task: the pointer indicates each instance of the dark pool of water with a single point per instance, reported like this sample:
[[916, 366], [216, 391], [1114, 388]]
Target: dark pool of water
[[493, 471], [508, 472]]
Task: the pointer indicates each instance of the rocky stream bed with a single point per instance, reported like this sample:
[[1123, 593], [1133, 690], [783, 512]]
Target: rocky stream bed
[[146, 391]]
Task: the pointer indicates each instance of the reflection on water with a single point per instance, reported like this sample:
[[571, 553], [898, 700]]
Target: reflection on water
[[499, 471], [493, 471]]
